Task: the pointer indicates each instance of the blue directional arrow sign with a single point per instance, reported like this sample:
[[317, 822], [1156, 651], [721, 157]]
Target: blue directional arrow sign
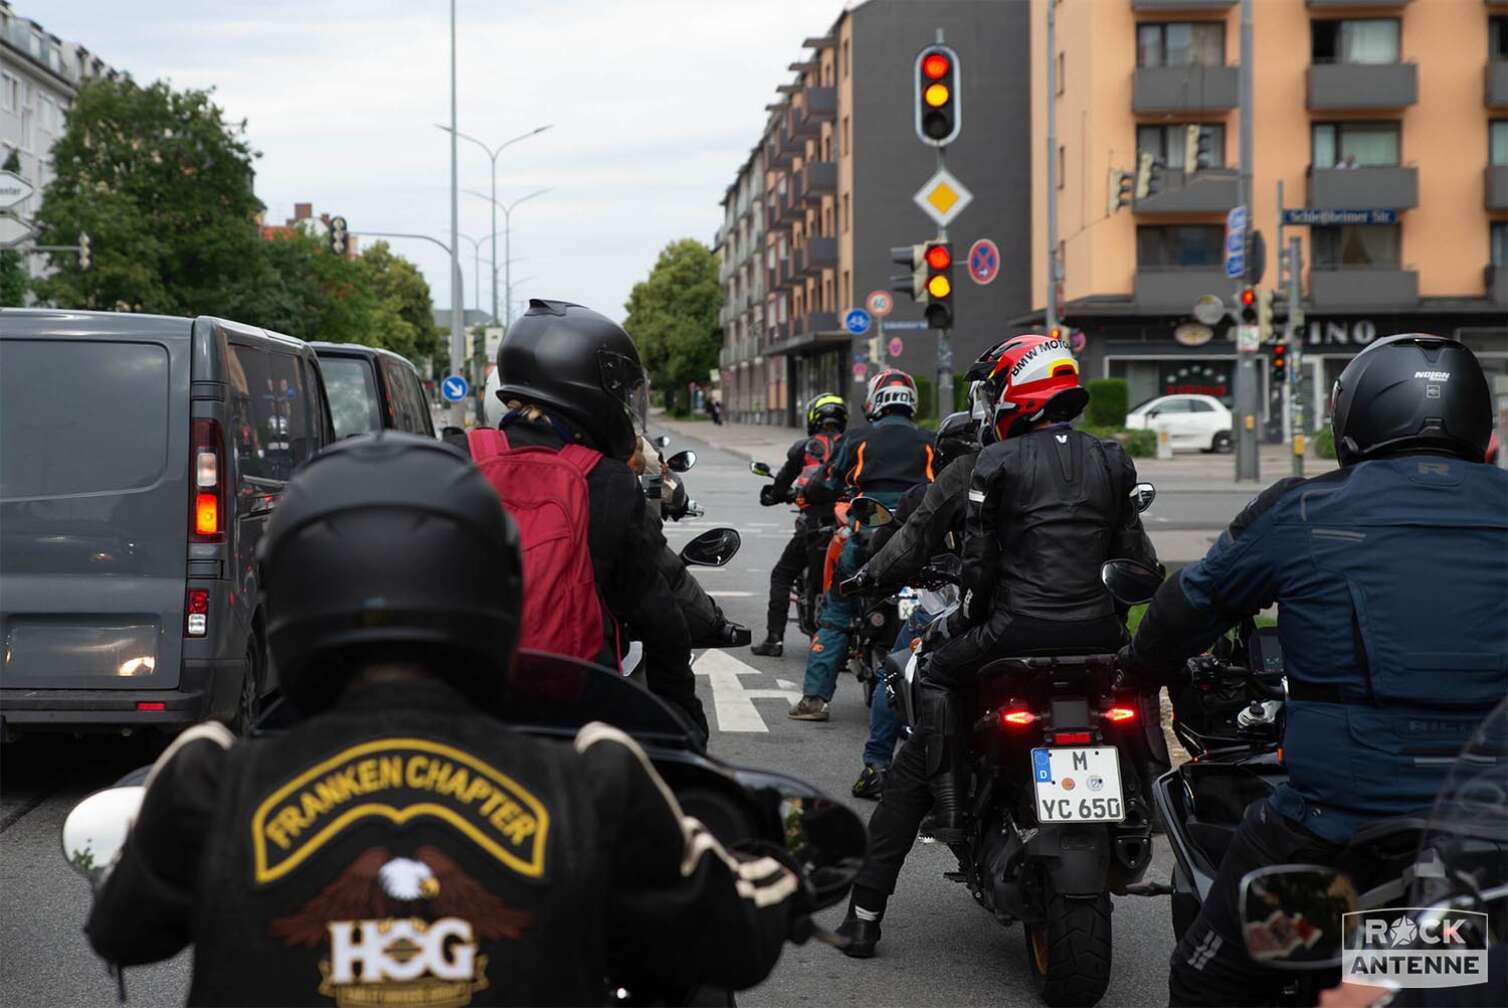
[[454, 388], [857, 321], [1235, 243]]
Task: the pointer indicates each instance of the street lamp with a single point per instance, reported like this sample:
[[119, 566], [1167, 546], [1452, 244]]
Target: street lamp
[[492, 153], [476, 267], [507, 209]]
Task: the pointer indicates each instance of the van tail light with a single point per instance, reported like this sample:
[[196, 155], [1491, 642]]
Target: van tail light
[[196, 609], [1120, 714], [207, 463], [1016, 717], [151, 705]]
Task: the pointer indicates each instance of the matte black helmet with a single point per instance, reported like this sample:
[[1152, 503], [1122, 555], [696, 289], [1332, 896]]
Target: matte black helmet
[[826, 410], [578, 366], [1412, 392], [390, 542], [958, 434]]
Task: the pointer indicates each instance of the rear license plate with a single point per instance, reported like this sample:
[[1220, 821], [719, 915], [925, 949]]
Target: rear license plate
[[1078, 785]]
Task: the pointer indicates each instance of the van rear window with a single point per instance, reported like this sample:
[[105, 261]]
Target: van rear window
[[81, 416], [352, 389]]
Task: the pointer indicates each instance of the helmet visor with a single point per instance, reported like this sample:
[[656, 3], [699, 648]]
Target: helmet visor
[[623, 381]]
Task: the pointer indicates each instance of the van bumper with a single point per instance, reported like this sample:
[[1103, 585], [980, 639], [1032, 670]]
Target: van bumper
[[206, 689]]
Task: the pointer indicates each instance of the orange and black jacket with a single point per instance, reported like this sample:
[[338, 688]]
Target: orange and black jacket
[[883, 459]]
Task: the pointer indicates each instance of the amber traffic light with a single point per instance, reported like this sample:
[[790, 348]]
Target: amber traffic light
[[938, 259], [938, 112]]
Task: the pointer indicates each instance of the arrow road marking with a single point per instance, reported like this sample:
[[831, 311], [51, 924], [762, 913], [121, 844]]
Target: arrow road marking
[[732, 705]]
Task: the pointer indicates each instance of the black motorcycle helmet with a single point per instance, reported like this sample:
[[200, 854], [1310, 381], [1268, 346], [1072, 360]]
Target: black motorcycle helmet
[[958, 434], [580, 367], [390, 544], [827, 410], [1412, 392]]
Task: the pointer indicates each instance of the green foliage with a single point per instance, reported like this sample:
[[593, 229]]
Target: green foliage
[[1138, 443], [926, 399], [1324, 442], [1107, 402], [672, 315], [12, 267]]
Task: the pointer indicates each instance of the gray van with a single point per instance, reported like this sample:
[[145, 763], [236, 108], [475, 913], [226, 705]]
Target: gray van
[[140, 458], [372, 389]]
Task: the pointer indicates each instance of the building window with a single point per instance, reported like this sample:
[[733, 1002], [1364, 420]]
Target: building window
[[1497, 142], [827, 147], [1355, 145], [1180, 246], [1499, 243], [1180, 43], [1357, 246], [847, 290], [1369, 40], [845, 213], [1062, 73], [1062, 164], [845, 59], [846, 141], [1166, 143], [35, 44], [1497, 37], [10, 93]]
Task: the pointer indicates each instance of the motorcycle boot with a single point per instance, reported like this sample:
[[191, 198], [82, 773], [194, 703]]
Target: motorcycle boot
[[947, 762], [859, 936], [770, 647]]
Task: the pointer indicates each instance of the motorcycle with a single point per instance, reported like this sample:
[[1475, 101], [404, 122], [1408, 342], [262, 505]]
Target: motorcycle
[[751, 810], [712, 548], [874, 629], [806, 590]]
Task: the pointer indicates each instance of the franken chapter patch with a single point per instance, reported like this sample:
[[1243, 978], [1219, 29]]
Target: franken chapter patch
[[399, 779]]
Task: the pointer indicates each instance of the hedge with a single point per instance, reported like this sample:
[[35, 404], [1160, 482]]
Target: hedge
[[926, 397], [1324, 442], [1138, 443], [1107, 403]]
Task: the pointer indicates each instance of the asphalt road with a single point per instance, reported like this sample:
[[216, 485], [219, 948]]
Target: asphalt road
[[939, 948]]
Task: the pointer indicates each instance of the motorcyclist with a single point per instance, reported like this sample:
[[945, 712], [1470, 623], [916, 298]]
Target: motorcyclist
[[1392, 598], [882, 460], [569, 374], [1047, 506], [826, 419], [400, 844], [925, 515]]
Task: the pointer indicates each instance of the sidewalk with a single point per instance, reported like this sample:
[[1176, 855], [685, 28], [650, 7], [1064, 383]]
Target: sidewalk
[[1185, 471]]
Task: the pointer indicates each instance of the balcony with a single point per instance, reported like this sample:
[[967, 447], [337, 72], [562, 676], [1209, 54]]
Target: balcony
[[1181, 6], [792, 143], [812, 327], [818, 255], [1361, 87], [820, 105], [1495, 91], [776, 152], [1363, 287], [1184, 89], [1495, 187], [1394, 187], [1213, 190], [817, 179], [1341, 5], [1496, 280], [790, 205], [1174, 289]]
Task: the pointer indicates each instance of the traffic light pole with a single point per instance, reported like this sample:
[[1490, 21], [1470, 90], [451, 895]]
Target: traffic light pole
[[944, 342], [1294, 336], [1050, 313], [1246, 394]]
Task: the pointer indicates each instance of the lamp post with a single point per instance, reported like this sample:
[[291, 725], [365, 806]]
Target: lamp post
[[507, 209], [457, 297], [492, 153], [476, 268]]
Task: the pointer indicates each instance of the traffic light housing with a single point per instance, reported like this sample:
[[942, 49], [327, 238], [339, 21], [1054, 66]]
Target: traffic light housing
[[86, 251], [912, 283], [1197, 151], [1264, 315], [1246, 306], [1121, 185], [1148, 176], [339, 238], [937, 261], [1279, 361], [939, 109]]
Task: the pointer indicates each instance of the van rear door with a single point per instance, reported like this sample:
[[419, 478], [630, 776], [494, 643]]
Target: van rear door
[[94, 503]]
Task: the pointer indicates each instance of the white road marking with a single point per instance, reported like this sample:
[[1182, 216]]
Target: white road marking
[[732, 705], [731, 594], [785, 684]]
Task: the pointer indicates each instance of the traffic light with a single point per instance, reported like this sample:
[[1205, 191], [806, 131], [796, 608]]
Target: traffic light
[[1121, 184], [1196, 148], [1279, 362], [912, 283], [338, 235], [1148, 176], [938, 262], [86, 251], [1264, 315], [939, 111], [1246, 307]]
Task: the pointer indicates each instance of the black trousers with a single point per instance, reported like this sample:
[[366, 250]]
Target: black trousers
[[782, 576], [1210, 965]]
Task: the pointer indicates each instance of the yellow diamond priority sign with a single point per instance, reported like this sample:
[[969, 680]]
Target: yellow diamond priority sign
[[943, 197]]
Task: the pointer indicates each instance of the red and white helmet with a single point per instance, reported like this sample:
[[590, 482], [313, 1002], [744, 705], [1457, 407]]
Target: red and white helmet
[[889, 389], [1034, 378]]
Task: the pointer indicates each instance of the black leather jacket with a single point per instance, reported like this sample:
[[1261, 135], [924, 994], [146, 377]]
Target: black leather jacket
[[1046, 510], [928, 511], [406, 840]]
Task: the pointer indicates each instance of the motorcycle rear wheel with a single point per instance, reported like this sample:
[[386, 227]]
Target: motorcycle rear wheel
[[1069, 954]]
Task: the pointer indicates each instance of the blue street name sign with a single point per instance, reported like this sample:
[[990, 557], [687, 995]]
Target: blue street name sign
[[1324, 218], [901, 325], [1235, 242]]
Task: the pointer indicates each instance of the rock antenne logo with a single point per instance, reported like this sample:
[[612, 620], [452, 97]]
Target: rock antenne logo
[[1415, 947]]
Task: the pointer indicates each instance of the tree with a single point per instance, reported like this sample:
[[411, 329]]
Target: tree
[[403, 316], [164, 189], [12, 268], [672, 315]]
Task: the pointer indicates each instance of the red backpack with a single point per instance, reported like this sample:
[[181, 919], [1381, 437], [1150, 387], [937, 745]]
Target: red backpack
[[545, 492], [819, 451]]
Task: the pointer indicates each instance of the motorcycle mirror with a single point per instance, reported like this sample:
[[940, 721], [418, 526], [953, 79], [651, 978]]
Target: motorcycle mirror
[[761, 469], [713, 548], [96, 829], [1142, 495], [1130, 582], [681, 461], [866, 511], [828, 840], [663, 441], [1293, 915]]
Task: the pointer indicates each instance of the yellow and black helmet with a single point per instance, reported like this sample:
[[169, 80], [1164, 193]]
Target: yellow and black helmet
[[827, 410]]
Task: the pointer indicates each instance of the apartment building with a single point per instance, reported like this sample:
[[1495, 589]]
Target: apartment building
[[811, 216], [39, 76], [1394, 108]]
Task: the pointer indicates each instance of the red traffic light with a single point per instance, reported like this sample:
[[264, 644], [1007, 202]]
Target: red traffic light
[[1248, 297], [935, 66], [1279, 350], [938, 257]]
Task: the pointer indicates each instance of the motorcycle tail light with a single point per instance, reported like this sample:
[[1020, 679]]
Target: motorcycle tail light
[[876, 619], [1120, 714], [1016, 718], [1072, 738]]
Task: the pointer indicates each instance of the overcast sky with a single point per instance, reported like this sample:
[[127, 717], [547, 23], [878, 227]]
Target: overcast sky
[[655, 104]]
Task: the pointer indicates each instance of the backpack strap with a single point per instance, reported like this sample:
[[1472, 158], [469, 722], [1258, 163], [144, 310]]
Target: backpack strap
[[581, 458], [485, 442]]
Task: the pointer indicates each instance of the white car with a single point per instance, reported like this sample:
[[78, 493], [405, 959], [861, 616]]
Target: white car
[[1192, 421]]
